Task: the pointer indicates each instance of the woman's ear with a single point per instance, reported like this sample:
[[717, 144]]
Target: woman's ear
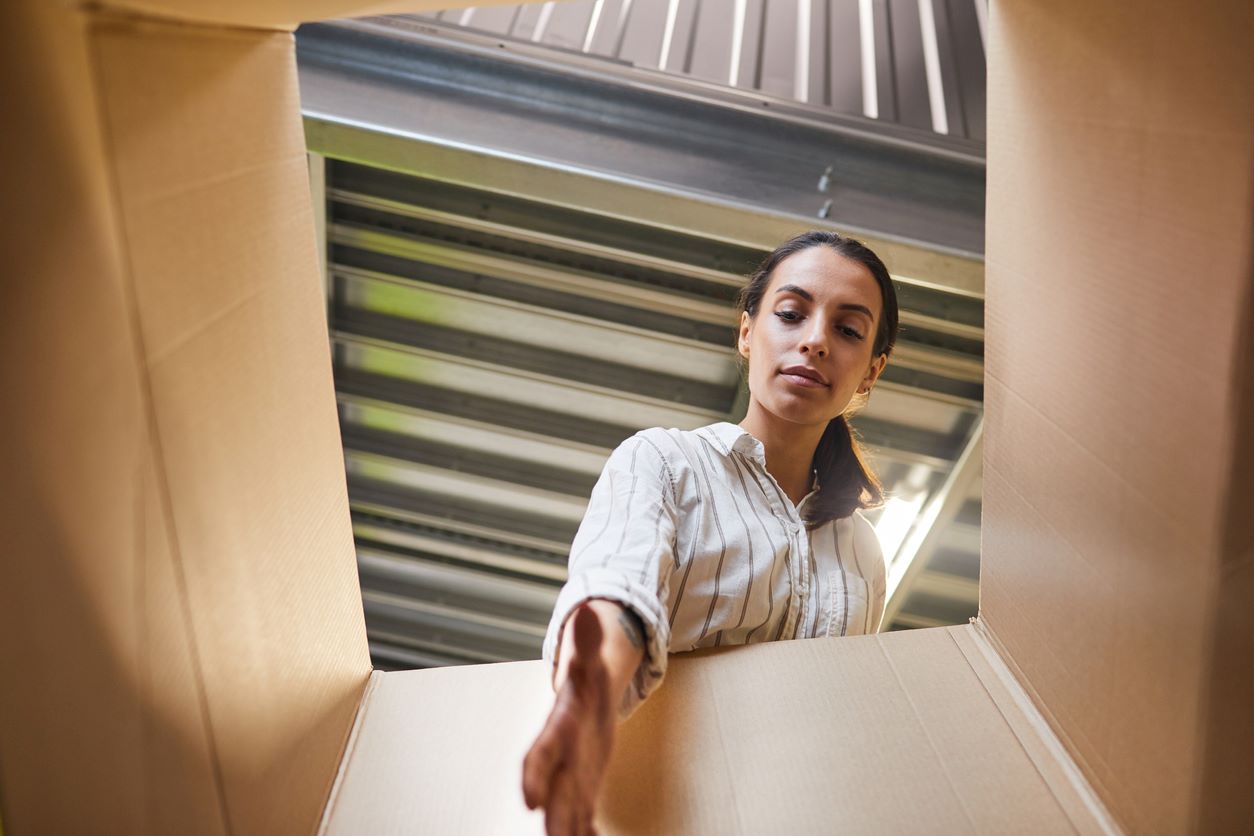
[[872, 374], [742, 341]]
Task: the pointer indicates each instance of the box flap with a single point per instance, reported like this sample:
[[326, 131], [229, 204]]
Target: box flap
[[213, 197], [1120, 209], [909, 732], [100, 690], [183, 606]]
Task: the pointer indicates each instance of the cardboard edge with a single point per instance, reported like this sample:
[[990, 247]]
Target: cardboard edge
[[350, 746], [1066, 781], [272, 15], [139, 11], [1220, 799]]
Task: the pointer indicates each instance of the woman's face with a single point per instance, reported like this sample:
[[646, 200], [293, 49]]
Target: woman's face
[[809, 346]]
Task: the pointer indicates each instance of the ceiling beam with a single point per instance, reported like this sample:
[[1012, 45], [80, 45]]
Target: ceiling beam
[[916, 550]]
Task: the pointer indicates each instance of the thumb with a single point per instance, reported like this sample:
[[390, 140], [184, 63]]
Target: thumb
[[587, 635]]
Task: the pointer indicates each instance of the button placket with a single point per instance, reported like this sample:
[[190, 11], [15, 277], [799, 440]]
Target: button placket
[[797, 558], [799, 551], [802, 544]]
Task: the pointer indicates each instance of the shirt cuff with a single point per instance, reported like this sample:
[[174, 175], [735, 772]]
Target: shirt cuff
[[616, 586]]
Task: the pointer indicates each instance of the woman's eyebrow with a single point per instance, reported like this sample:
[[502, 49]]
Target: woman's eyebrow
[[800, 291], [806, 295]]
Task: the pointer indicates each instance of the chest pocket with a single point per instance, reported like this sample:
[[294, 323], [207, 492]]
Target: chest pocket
[[847, 610]]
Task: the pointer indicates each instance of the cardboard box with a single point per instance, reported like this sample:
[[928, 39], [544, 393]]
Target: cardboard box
[[180, 623]]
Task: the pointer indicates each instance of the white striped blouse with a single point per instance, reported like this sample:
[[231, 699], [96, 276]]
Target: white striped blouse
[[689, 530]]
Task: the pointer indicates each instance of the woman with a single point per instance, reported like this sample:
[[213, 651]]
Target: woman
[[728, 534]]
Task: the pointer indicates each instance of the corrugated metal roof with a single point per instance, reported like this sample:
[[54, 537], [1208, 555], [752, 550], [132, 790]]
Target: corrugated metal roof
[[499, 321]]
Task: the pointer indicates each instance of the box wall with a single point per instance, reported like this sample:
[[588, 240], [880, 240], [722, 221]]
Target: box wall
[[1225, 802], [1118, 268], [85, 545], [179, 591]]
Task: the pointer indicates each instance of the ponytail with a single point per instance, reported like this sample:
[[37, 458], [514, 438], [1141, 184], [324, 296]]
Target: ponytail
[[846, 482]]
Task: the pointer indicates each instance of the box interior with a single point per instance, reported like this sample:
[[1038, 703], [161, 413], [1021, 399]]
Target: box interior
[[184, 609], [918, 731]]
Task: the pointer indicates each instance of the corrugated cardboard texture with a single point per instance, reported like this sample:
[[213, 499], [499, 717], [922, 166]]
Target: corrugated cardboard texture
[[1120, 170], [898, 733], [179, 615]]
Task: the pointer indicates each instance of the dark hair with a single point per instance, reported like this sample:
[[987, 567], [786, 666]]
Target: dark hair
[[846, 481]]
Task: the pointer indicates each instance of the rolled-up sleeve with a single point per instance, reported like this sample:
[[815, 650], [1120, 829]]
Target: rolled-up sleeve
[[624, 552]]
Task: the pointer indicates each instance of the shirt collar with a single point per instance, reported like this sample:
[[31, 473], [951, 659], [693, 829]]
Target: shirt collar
[[730, 437]]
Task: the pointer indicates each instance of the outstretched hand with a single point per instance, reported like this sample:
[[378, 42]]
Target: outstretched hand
[[563, 770]]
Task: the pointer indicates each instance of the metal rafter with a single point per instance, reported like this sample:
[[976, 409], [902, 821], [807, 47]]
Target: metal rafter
[[905, 567]]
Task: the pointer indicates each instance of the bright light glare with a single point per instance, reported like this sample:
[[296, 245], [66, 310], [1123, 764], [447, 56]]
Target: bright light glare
[[895, 522]]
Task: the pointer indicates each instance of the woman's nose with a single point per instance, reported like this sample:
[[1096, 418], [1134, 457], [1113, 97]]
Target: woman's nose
[[814, 341]]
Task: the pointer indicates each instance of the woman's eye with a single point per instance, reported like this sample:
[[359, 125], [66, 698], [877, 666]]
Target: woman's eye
[[850, 332], [788, 316]]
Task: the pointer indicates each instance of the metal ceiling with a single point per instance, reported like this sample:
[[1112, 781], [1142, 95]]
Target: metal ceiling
[[517, 282], [914, 62]]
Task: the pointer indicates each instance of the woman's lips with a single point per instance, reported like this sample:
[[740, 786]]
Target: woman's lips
[[802, 381]]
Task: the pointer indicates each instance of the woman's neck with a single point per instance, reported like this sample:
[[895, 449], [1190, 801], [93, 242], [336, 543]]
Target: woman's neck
[[789, 449]]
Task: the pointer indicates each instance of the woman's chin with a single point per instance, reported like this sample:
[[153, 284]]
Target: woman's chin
[[788, 409]]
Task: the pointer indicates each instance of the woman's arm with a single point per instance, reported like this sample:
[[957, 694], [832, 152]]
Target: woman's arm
[[622, 646], [601, 648]]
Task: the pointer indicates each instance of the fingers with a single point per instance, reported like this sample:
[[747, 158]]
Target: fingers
[[559, 813], [569, 812], [557, 769], [539, 765], [558, 783]]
